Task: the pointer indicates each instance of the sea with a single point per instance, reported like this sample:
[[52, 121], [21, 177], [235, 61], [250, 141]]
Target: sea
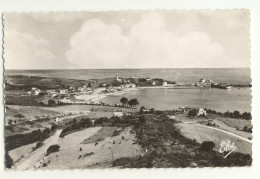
[[165, 99]]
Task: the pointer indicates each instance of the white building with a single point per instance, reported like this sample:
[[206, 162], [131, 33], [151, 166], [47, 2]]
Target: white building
[[64, 91], [54, 95], [164, 83], [118, 114], [58, 119], [172, 117], [118, 79], [34, 91], [202, 112], [37, 92]]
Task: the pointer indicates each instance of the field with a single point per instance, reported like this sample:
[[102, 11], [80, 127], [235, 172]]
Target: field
[[20, 82], [97, 151], [29, 113], [201, 133]]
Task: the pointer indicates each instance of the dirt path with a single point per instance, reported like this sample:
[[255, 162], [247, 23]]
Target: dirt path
[[229, 133], [35, 157]]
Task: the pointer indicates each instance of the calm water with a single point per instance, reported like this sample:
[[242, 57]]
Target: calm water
[[219, 99], [230, 75]]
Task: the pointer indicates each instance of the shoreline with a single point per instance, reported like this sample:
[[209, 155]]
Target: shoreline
[[97, 97]]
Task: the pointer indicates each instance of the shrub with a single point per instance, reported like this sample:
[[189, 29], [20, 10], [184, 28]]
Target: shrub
[[8, 160], [238, 159], [247, 129], [38, 145], [52, 149], [54, 127], [142, 119], [247, 116], [18, 140], [192, 112], [51, 102], [207, 146], [19, 115], [116, 133]]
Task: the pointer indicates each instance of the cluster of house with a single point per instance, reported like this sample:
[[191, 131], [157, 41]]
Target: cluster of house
[[200, 111], [203, 83], [34, 91]]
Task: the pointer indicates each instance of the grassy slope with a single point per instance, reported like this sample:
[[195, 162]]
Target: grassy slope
[[27, 82], [167, 147]]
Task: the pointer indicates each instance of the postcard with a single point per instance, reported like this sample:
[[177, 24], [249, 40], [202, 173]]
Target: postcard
[[127, 89]]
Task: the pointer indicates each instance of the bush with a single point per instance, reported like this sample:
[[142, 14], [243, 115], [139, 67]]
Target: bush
[[8, 160], [116, 133], [247, 129], [51, 102], [192, 112], [19, 115], [52, 149], [238, 159], [54, 127], [207, 146], [38, 145], [19, 140], [142, 119]]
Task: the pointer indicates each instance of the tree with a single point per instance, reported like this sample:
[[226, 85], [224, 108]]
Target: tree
[[207, 146], [142, 108], [133, 102], [51, 102], [130, 102], [247, 116], [124, 101], [192, 112], [53, 148], [237, 114]]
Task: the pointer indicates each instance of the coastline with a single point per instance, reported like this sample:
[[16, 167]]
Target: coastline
[[95, 98]]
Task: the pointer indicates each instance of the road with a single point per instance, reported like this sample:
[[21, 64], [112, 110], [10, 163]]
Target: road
[[229, 133], [36, 156]]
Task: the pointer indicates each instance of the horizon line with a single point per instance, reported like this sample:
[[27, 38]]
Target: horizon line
[[131, 68]]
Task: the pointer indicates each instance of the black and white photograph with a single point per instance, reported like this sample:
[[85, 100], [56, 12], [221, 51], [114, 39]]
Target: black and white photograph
[[127, 89]]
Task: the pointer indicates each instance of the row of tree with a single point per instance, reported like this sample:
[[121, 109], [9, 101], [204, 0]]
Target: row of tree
[[236, 114], [132, 102]]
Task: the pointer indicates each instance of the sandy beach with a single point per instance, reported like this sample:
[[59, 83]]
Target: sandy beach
[[96, 97]]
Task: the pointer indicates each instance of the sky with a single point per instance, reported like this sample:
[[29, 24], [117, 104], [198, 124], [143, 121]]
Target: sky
[[127, 39]]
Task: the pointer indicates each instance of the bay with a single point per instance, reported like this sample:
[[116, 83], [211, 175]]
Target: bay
[[220, 100]]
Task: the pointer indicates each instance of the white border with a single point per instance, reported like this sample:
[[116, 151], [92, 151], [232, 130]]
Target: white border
[[98, 5]]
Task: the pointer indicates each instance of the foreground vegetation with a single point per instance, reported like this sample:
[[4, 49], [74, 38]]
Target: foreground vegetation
[[167, 147], [163, 143], [161, 140]]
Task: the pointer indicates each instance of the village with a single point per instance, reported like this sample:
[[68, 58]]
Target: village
[[119, 84]]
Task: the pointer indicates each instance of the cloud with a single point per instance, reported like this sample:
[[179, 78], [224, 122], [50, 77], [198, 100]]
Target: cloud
[[148, 44], [98, 44], [23, 51]]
